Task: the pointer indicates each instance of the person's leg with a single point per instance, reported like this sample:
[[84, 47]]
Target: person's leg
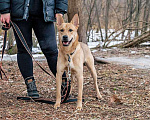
[[45, 34], [24, 59]]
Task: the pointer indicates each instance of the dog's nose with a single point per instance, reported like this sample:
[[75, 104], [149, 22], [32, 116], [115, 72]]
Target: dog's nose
[[65, 37]]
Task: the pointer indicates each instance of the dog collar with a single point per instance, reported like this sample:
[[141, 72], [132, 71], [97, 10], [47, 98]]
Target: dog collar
[[69, 59]]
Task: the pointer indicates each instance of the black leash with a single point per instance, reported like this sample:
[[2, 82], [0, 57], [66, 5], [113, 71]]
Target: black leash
[[44, 100], [66, 89], [5, 27]]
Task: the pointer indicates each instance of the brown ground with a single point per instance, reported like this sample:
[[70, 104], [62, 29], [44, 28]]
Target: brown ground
[[131, 86]]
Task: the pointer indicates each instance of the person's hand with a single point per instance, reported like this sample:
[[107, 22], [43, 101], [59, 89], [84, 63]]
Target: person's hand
[[58, 14], [5, 18]]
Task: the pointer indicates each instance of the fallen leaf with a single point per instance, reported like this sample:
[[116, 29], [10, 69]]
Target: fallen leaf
[[95, 106], [115, 99]]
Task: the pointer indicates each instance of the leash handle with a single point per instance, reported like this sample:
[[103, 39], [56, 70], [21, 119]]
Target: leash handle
[[5, 27]]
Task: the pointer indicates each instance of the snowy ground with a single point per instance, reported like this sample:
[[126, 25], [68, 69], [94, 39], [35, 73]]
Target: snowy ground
[[39, 57], [142, 63]]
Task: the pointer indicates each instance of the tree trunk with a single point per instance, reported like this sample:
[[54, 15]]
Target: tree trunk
[[130, 18], [101, 60], [108, 2], [99, 23], [136, 41], [146, 14], [76, 7], [138, 7], [124, 21], [10, 39]]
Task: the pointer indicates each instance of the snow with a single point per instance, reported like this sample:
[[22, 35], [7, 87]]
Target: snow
[[147, 56], [38, 55], [1, 37], [94, 40], [10, 57], [133, 52], [36, 50], [7, 57], [142, 63], [97, 35], [92, 44], [145, 43]]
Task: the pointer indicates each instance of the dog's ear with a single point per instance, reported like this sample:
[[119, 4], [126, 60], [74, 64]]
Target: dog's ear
[[75, 20], [59, 20]]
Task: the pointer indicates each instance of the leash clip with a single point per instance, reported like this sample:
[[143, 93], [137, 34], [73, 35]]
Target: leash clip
[[69, 59]]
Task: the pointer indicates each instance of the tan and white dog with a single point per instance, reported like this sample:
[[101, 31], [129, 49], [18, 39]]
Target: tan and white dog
[[78, 52]]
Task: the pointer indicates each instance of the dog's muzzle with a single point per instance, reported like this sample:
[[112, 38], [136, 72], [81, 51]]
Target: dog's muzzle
[[66, 41]]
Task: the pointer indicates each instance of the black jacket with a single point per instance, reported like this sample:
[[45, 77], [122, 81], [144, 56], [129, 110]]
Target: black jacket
[[19, 9]]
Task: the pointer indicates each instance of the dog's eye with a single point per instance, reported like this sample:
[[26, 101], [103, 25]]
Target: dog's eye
[[70, 30], [62, 30]]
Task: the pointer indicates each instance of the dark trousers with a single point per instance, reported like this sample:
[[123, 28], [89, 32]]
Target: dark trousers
[[45, 34]]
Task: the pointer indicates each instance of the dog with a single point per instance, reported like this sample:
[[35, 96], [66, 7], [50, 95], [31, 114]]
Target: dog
[[78, 54]]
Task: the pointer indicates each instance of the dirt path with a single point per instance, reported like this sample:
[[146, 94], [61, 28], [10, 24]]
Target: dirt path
[[135, 57], [141, 63]]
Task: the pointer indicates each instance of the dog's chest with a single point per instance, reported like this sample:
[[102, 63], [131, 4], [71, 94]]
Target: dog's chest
[[71, 64]]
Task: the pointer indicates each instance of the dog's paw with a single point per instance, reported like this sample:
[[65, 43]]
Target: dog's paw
[[99, 96], [57, 106], [79, 107]]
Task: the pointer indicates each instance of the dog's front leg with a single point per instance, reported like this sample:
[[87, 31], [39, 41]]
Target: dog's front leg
[[80, 90], [58, 90]]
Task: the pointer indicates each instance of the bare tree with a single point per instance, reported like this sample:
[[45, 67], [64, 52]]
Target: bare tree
[[108, 2], [90, 13], [99, 23], [138, 7], [130, 15], [76, 6], [130, 18], [146, 14]]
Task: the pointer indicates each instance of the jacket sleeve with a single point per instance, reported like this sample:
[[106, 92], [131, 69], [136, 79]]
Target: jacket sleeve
[[4, 6], [61, 6]]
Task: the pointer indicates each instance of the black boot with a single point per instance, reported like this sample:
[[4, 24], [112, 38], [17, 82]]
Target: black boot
[[31, 88]]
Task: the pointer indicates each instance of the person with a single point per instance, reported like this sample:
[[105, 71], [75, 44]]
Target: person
[[40, 16]]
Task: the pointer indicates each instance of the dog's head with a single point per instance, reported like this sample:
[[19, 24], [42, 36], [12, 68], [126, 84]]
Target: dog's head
[[68, 31]]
